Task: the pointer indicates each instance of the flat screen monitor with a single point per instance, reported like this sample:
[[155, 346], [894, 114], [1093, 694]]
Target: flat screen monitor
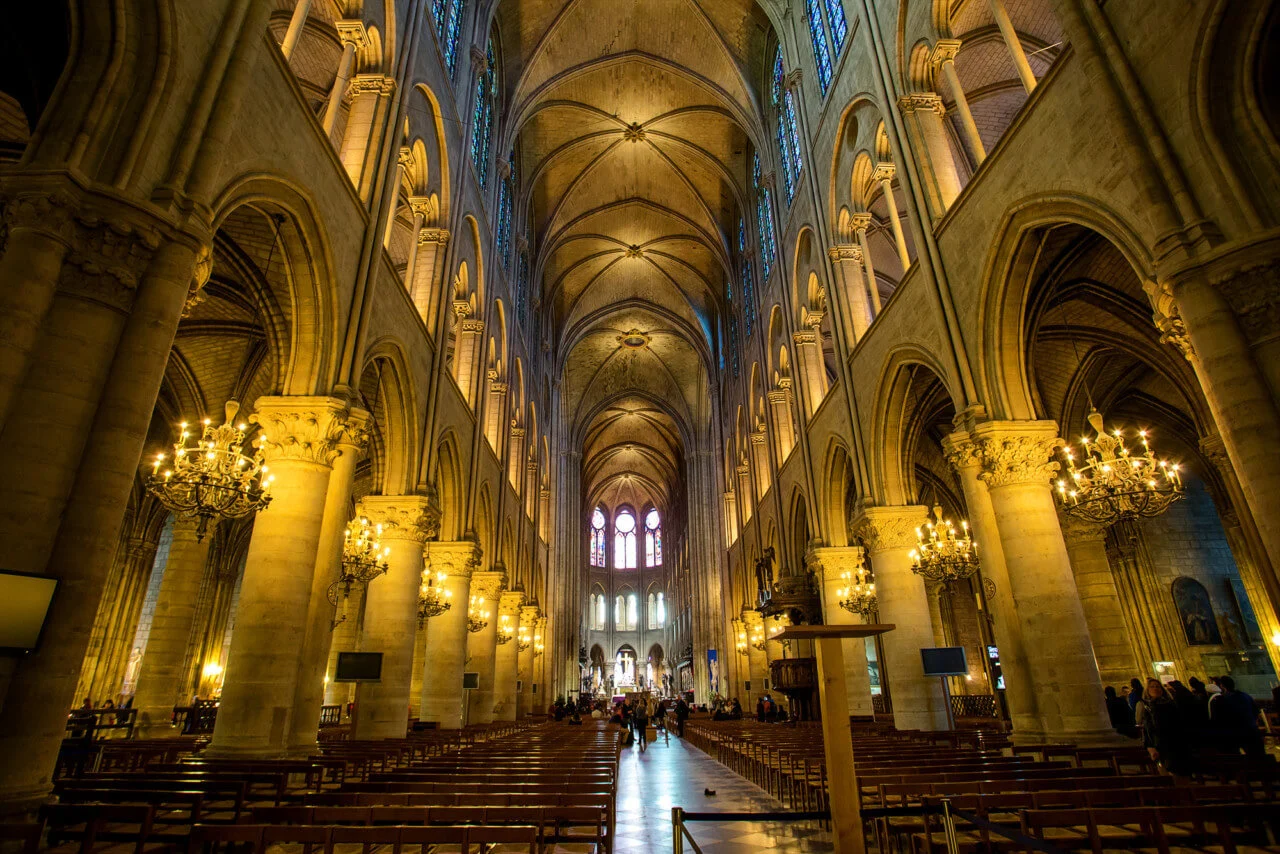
[[944, 661], [358, 667], [24, 606]]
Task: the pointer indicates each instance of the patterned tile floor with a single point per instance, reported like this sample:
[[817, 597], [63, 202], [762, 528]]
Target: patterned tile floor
[[675, 774]]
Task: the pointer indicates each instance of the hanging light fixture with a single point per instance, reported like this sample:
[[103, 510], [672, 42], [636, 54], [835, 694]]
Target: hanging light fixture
[[523, 641], [477, 617], [537, 644], [433, 598], [942, 553], [1107, 481], [858, 595], [758, 640], [211, 478], [506, 634], [1111, 481], [740, 635], [363, 559]]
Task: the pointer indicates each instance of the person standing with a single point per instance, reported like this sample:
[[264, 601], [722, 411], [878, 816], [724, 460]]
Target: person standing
[[1235, 716], [640, 725], [1119, 712], [1163, 733], [682, 715]]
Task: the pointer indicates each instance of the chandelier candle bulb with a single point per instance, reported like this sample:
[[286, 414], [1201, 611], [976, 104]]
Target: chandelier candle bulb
[[1103, 490]]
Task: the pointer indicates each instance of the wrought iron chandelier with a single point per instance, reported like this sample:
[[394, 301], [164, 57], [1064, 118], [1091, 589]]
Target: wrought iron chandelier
[[523, 641], [506, 634], [537, 644], [363, 559], [211, 478], [433, 599], [1106, 481], [477, 617], [942, 554], [758, 640], [858, 595]]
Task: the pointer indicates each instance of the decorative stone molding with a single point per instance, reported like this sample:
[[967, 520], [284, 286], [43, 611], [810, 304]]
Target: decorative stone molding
[[634, 251], [106, 260], [928, 102], [510, 601], [351, 31], [768, 180], [303, 429], [804, 337], [860, 222], [1215, 451], [889, 528], [479, 60], [517, 432], [504, 168], [427, 236], [529, 613], [355, 431], [370, 84], [884, 172], [139, 548], [944, 50], [793, 78], [845, 252], [1168, 318], [1017, 452], [488, 584], [960, 451], [402, 517], [497, 387], [634, 133], [828, 563], [50, 213], [758, 438], [456, 558], [199, 278], [475, 327]]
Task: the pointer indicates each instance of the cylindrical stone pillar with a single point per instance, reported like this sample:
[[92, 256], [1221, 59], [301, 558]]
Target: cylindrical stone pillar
[[838, 568], [524, 660], [300, 441], [309, 694], [889, 536], [482, 646], [1108, 631], [164, 664], [504, 665], [447, 636], [391, 612], [346, 638], [1017, 469]]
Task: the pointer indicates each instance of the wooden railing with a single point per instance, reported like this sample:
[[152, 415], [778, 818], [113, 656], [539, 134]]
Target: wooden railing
[[973, 705]]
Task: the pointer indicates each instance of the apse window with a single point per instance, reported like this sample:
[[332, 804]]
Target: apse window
[[624, 540], [657, 610], [652, 538]]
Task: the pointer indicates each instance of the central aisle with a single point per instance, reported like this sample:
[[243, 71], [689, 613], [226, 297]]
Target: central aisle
[[675, 774]]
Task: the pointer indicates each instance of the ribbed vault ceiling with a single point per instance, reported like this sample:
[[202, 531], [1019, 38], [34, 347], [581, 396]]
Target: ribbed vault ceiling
[[634, 119]]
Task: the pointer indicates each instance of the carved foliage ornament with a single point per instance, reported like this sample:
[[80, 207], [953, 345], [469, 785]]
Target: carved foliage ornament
[[300, 429], [883, 529], [1018, 459]]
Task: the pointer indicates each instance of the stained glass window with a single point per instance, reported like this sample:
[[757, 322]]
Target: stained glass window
[[599, 612], [482, 121], [437, 12], [788, 134], [624, 540], [449, 27], [657, 610], [837, 24], [633, 612], [733, 344], [522, 286], [764, 220], [821, 48], [506, 210], [597, 538], [652, 538], [748, 296]]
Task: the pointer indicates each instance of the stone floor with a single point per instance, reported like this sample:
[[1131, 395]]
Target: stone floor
[[675, 774]]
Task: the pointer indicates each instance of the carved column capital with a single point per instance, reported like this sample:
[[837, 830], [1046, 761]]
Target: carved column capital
[[927, 102], [304, 429], [844, 253], [889, 528], [859, 222], [106, 260], [944, 51], [456, 558], [488, 584], [351, 31], [1017, 452], [479, 60], [884, 172], [961, 451], [50, 212], [529, 614], [438, 236], [371, 84], [1075, 530], [793, 78], [510, 602], [828, 563], [1167, 317], [402, 517], [804, 337]]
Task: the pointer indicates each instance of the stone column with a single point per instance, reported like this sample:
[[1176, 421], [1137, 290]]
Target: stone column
[[889, 535], [760, 459], [370, 96], [524, 662], [160, 676], [418, 667], [745, 492], [346, 638], [836, 567], [884, 174], [297, 24], [447, 635], [757, 659], [860, 222], [299, 439], [431, 243], [515, 453], [391, 612], [466, 360], [1108, 631], [1017, 468], [117, 621], [495, 412], [944, 56], [1014, 44], [966, 459], [482, 646], [319, 639], [783, 419], [504, 669], [924, 112], [353, 36]]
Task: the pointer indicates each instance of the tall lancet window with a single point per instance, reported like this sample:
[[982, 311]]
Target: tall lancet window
[[482, 121], [653, 538], [764, 219], [624, 540], [448, 15], [506, 210], [821, 46], [597, 537], [784, 113]]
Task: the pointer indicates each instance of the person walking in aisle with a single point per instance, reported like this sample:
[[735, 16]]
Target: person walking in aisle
[[640, 725]]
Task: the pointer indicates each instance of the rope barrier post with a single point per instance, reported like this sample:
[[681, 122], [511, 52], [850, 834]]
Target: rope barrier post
[[677, 840], [949, 826]]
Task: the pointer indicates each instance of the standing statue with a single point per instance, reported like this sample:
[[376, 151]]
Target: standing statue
[[764, 575]]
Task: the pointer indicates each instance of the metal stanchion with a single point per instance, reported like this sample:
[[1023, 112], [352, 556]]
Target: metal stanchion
[[677, 840], [949, 826]]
